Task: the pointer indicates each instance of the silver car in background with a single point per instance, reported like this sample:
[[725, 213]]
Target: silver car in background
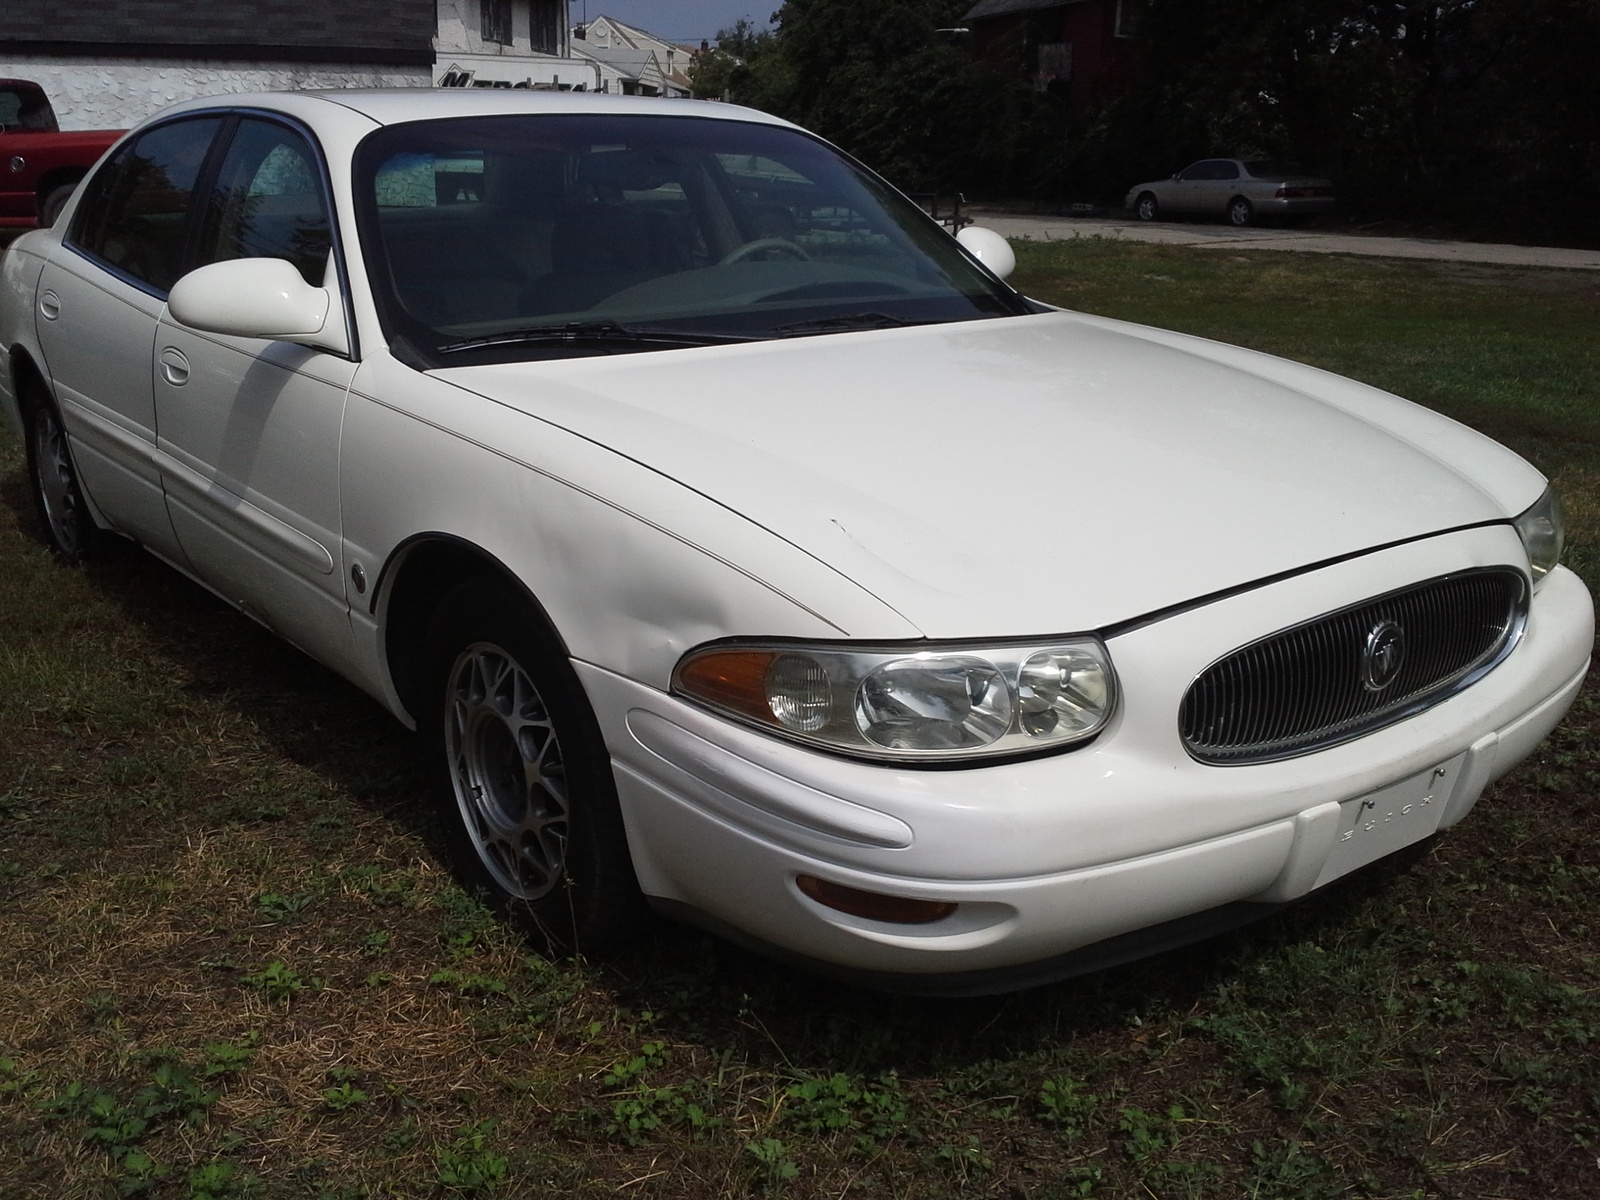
[[1240, 190]]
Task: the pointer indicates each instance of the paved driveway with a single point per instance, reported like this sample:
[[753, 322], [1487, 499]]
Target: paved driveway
[[1309, 241]]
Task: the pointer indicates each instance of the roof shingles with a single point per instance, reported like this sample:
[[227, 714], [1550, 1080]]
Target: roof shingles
[[362, 30]]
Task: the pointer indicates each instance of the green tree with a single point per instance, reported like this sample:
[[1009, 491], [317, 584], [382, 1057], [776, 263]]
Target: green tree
[[1481, 112], [729, 65], [882, 82]]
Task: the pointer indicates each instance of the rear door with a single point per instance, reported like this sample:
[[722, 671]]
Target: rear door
[[100, 298]]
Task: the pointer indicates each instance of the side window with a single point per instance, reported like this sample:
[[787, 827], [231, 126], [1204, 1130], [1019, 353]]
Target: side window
[[135, 214], [1226, 170], [268, 202], [1193, 172]]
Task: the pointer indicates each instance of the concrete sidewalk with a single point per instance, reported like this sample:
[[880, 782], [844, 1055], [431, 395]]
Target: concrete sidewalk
[[1307, 241]]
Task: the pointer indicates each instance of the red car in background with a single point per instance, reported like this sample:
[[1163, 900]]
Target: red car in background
[[39, 164]]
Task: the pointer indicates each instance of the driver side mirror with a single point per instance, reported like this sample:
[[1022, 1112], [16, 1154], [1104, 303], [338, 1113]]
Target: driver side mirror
[[989, 248], [258, 298]]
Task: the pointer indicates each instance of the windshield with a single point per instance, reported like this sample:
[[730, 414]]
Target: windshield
[[493, 238]]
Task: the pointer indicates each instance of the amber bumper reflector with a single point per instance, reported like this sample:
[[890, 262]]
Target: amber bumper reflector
[[875, 906]]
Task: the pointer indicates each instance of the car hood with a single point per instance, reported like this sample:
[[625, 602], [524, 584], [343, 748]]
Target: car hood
[[1030, 475]]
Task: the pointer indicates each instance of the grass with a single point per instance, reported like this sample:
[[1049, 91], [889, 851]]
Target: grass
[[232, 965]]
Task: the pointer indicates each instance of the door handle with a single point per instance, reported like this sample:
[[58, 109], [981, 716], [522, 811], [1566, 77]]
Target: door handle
[[174, 366], [49, 305]]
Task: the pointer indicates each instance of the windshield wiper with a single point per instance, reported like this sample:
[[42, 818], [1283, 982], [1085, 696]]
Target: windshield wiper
[[860, 320], [582, 333]]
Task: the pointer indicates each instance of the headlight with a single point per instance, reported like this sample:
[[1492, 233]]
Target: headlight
[[936, 704], [1543, 534]]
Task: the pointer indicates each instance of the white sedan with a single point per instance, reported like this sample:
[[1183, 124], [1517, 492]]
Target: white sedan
[[743, 545]]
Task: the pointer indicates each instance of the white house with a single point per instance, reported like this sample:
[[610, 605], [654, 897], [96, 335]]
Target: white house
[[633, 61], [112, 63], [509, 43]]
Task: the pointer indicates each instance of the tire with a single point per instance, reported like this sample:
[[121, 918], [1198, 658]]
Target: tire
[[64, 518], [55, 200], [1241, 212], [526, 798], [1147, 207]]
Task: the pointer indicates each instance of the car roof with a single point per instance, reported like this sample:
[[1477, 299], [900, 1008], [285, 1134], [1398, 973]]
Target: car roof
[[390, 106]]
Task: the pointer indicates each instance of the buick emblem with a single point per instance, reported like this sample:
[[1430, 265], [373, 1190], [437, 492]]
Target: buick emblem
[[1381, 659]]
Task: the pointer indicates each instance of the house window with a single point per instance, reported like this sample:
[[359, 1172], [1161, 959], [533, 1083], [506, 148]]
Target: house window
[[496, 21], [1130, 17], [1055, 64], [545, 21]]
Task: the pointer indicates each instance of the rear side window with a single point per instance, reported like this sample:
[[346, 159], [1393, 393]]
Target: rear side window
[[268, 202], [26, 108], [135, 214]]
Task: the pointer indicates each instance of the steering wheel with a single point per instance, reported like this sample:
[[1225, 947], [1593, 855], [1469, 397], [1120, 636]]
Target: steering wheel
[[761, 246]]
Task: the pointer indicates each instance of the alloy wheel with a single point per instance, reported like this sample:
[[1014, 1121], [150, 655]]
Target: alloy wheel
[[507, 771], [56, 482]]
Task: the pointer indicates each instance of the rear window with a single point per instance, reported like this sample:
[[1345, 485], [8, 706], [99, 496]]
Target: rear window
[[1268, 168], [26, 108]]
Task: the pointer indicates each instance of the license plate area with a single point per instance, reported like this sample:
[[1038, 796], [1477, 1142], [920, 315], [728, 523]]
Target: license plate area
[[1390, 819]]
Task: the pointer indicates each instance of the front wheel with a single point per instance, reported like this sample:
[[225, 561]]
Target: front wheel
[[1240, 212], [1146, 208], [527, 799], [64, 518]]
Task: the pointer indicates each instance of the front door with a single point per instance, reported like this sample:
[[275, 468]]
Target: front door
[[249, 429], [1220, 185]]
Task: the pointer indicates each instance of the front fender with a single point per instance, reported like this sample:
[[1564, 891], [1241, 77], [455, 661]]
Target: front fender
[[632, 568]]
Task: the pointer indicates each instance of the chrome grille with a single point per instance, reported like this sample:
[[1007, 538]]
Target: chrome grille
[[1313, 685]]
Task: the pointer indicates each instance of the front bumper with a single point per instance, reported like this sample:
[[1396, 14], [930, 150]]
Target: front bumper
[[1050, 855]]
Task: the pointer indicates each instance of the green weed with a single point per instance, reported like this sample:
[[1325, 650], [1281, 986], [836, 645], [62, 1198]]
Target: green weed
[[228, 1058], [776, 1168], [872, 1110], [1066, 1104], [280, 982], [964, 1159], [276, 907], [468, 1166], [1287, 1171], [119, 1127], [222, 1180]]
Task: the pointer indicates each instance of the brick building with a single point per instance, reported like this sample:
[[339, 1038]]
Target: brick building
[[1083, 50]]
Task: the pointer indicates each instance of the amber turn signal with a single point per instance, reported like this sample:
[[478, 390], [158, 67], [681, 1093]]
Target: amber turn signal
[[734, 679]]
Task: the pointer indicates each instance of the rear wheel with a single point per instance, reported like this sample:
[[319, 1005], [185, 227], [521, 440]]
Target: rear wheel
[[527, 799], [64, 518], [55, 200], [1240, 212]]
